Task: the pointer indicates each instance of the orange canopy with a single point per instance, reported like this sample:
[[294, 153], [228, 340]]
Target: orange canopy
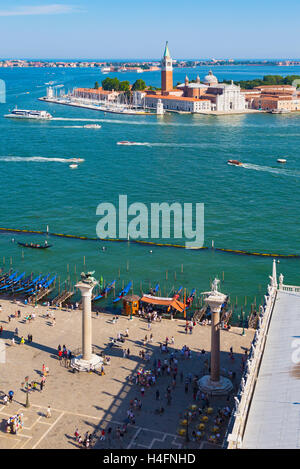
[[155, 300]]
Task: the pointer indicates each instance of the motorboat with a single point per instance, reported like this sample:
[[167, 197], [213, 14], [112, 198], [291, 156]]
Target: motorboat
[[281, 160], [92, 126], [234, 163], [73, 166], [28, 114], [76, 160], [125, 142]]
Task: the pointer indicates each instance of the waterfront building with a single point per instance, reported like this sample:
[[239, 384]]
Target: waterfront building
[[223, 97], [95, 94], [273, 98], [178, 103], [226, 98]]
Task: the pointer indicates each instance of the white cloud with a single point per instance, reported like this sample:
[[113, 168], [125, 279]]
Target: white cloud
[[53, 9]]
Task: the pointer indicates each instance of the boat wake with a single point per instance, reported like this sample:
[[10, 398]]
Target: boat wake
[[130, 122], [37, 159], [172, 145], [269, 169], [76, 119]]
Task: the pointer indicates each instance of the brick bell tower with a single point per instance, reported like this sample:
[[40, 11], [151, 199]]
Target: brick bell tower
[[166, 72]]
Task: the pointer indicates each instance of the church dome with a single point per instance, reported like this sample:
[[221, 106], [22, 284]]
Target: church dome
[[210, 79]]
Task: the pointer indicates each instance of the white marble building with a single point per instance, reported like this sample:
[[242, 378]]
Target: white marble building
[[227, 98]]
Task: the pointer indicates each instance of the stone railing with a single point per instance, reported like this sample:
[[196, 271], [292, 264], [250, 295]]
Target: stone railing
[[234, 436], [291, 288]]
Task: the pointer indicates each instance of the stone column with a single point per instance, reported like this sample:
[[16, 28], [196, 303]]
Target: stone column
[[87, 360], [86, 294], [214, 383], [215, 304]]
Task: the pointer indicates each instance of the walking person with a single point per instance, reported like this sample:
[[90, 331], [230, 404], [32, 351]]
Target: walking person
[[48, 414]]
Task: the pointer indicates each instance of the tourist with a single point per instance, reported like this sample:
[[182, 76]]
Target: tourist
[[22, 341], [16, 332], [10, 395], [157, 395], [48, 414]]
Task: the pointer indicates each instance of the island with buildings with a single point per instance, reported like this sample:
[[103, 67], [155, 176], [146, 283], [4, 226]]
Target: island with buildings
[[208, 96]]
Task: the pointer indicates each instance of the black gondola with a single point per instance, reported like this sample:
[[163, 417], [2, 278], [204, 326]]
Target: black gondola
[[35, 246]]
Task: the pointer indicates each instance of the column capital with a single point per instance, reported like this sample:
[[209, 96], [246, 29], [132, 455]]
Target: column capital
[[85, 288], [215, 302]]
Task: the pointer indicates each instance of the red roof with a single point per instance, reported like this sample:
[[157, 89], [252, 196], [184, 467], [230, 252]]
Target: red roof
[[177, 98]]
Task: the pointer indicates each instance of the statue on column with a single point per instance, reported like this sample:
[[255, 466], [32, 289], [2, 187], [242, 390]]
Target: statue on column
[[214, 289], [88, 278]]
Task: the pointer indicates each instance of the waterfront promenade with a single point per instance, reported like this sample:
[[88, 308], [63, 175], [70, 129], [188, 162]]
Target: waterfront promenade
[[92, 402], [266, 414], [273, 420]]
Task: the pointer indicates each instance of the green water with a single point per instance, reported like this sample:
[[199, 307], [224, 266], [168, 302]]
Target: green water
[[184, 160]]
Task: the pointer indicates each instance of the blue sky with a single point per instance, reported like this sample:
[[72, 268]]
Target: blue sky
[[139, 29]]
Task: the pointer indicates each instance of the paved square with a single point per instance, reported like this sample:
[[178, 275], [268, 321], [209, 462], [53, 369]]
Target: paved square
[[91, 402]]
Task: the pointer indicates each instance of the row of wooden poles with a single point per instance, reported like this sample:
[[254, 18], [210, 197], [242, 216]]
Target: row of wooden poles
[[198, 301]]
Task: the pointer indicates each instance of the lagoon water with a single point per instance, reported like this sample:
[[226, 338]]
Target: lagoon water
[[183, 159]]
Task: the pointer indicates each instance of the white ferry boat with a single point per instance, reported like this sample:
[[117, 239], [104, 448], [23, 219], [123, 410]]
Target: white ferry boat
[[27, 114]]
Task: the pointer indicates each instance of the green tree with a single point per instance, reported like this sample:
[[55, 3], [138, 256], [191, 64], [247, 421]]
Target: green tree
[[138, 85], [124, 86], [111, 84], [96, 85]]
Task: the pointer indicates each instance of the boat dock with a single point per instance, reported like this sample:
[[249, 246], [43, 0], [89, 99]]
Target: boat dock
[[62, 297], [67, 101]]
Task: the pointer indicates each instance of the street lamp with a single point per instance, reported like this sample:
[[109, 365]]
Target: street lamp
[[27, 405], [243, 320]]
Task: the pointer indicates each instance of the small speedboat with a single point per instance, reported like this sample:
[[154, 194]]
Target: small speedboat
[[92, 126], [234, 163], [125, 142], [73, 166], [281, 160], [76, 160]]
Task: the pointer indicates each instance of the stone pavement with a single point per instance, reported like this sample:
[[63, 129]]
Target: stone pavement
[[91, 402]]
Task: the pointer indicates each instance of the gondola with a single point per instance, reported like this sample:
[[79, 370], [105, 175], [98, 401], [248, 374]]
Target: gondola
[[18, 284], [35, 246], [25, 286], [123, 293], [38, 285], [13, 283], [9, 281], [105, 291]]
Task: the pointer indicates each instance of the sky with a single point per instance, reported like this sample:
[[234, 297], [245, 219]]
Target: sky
[[138, 29]]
